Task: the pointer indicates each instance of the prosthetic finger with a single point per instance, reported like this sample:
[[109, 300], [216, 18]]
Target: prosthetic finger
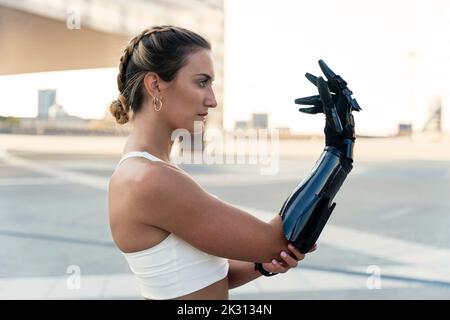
[[317, 102], [312, 78], [355, 105], [329, 74], [336, 84], [311, 100], [328, 106], [312, 110]]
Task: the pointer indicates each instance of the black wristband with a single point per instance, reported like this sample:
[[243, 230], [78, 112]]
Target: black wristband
[[264, 272]]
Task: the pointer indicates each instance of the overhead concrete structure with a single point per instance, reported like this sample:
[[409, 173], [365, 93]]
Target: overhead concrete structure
[[33, 43]]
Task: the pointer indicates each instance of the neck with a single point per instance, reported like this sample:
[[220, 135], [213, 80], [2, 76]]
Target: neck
[[151, 135]]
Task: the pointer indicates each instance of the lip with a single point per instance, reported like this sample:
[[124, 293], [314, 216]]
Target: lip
[[202, 116]]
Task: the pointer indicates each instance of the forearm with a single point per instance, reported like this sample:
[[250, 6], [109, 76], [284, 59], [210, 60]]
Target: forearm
[[240, 273]]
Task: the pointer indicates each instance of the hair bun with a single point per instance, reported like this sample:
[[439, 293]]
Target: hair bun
[[119, 110]]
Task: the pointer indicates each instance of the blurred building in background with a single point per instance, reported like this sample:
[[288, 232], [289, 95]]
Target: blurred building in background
[[257, 121], [433, 123], [260, 120], [405, 129], [47, 98]]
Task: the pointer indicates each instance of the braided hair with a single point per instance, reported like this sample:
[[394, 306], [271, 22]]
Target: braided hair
[[160, 49]]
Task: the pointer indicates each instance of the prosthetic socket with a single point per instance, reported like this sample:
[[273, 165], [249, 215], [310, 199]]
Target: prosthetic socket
[[306, 211]]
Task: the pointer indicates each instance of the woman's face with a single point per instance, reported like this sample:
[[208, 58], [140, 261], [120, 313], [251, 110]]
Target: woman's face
[[190, 93]]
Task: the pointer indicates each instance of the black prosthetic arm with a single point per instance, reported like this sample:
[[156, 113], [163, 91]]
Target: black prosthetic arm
[[306, 211]]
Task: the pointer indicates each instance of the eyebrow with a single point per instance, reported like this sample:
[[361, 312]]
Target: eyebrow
[[204, 75]]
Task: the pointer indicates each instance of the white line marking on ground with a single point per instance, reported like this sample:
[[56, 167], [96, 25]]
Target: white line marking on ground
[[75, 177], [30, 181], [396, 213]]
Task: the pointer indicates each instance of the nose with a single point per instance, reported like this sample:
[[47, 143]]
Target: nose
[[210, 100]]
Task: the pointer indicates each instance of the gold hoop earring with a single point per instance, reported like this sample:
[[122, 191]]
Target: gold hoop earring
[[157, 103]]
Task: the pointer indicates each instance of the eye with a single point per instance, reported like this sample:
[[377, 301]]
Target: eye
[[203, 83]]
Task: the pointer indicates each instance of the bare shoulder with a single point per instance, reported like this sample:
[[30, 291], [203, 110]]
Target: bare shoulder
[[143, 176], [138, 178], [130, 202], [168, 192]]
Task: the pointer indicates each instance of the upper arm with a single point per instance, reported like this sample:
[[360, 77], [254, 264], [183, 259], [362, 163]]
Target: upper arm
[[172, 201]]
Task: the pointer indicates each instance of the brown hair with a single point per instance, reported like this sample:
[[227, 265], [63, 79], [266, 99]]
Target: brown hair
[[160, 49]]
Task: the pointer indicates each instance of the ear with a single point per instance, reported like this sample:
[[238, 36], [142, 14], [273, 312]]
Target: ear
[[151, 84]]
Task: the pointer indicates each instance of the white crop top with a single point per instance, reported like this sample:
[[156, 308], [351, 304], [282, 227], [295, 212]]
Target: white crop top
[[173, 267]]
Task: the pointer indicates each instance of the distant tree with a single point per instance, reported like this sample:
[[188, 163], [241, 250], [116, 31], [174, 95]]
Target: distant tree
[[11, 121]]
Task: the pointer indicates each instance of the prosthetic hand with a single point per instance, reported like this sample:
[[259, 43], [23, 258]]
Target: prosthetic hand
[[306, 211]]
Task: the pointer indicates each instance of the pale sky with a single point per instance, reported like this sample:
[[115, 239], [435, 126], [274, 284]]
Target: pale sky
[[83, 93], [271, 44]]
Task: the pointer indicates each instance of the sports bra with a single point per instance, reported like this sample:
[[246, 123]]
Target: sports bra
[[172, 268]]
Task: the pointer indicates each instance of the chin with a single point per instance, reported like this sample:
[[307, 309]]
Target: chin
[[192, 127]]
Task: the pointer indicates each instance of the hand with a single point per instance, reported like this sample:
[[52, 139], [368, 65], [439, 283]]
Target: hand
[[335, 101], [288, 261]]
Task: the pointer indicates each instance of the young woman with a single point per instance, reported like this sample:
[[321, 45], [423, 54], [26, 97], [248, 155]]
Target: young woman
[[180, 241]]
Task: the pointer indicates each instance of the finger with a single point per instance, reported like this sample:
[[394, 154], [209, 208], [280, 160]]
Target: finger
[[314, 248], [291, 262], [355, 105], [332, 84], [312, 78], [298, 255], [328, 105], [310, 100], [271, 266], [329, 74], [278, 267], [324, 93], [282, 268], [312, 110]]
